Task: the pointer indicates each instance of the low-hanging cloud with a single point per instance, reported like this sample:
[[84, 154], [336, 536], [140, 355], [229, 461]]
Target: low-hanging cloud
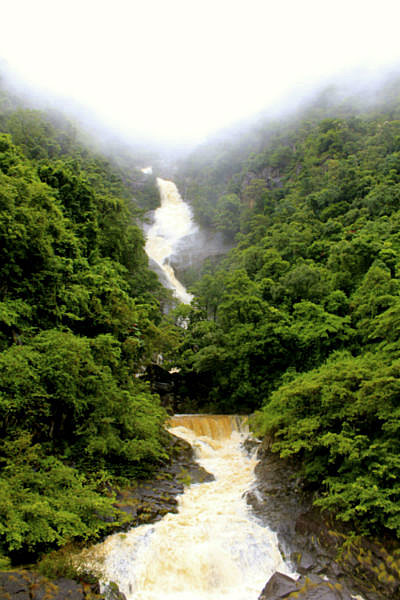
[[177, 70]]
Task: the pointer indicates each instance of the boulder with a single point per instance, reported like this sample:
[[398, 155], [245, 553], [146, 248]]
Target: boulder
[[151, 499], [61, 589], [111, 592], [25, 585], [281, 587], [278, 586], [14, 585]]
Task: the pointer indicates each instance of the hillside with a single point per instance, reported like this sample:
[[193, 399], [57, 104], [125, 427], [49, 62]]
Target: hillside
[[80, 315], [300, 321]]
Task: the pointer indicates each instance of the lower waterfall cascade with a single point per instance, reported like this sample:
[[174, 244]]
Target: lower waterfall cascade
[[213, 548]]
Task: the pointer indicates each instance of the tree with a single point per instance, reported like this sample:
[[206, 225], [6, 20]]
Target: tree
[[342, 422], [44, 503], [74, 395], [227, 214]]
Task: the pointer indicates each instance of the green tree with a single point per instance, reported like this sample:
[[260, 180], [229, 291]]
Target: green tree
[[75, 395], [227, 214]]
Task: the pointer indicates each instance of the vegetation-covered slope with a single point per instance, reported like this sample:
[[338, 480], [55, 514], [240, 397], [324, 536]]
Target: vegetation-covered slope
[[79, 317], [301, 320], [299, 323]]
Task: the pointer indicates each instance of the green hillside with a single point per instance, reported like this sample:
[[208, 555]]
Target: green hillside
[[80, 315], [300, 322]]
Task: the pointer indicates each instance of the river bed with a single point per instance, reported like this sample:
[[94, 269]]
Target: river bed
[[213, 548]]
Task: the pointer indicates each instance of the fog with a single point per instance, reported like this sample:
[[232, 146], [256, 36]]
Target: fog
[[175, 71]]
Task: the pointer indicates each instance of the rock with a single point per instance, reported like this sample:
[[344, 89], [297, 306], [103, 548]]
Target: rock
[[26, 585], [193, 249], [68, 590], [315, 545], [280, 587], [61, 589], [305, 563], [111, 592], [14, 585], [321, 591], [152, 499]]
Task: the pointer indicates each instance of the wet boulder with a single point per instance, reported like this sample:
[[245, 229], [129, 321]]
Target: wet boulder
[[14, 585], [111, 592], [149, 500], [281, 587], [61, 589], [27, 585], [278, 586]]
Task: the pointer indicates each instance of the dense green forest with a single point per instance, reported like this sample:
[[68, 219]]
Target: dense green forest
[[80, 316], [300, 321], [298, 324]]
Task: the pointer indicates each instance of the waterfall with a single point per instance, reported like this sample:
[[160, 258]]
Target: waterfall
[[213, 548], [172, 222], [216, 427]]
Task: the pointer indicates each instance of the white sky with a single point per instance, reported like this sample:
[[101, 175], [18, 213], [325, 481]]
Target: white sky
[[179, 69]]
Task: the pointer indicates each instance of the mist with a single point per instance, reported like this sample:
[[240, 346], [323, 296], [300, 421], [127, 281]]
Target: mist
[[171, 73]]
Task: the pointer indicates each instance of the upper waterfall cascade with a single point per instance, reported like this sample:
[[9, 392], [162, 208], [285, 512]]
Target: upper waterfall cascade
[[172, 222], [213, 548]]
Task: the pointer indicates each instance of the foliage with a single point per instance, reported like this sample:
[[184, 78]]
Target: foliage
[[77, 399], [301, 319], [342, 422], [80, 317], [44, 502]]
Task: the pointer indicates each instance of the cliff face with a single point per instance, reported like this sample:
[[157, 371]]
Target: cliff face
[[333, 564]]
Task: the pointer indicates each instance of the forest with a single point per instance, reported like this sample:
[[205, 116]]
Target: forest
[[298, 325], [80, 318]]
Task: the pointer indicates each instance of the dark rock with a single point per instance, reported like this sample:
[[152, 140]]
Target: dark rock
[[68, 590], [60, 589], [193, 249], [152, 499], [14, 585], [25, 585], [322, 591], [250, 445], [278, 586], [305, 563]]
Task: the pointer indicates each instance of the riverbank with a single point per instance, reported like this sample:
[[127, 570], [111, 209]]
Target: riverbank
[[212, 548], [333, 563], [146, 501], [149, 500]]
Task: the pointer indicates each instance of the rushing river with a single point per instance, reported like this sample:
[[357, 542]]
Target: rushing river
[[172, 222], [213, 548]]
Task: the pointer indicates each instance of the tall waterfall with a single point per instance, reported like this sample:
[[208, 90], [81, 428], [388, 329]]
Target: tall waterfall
[[213, 548], [172, 221]]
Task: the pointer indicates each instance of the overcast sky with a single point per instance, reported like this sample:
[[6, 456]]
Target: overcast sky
[[177, 70]]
